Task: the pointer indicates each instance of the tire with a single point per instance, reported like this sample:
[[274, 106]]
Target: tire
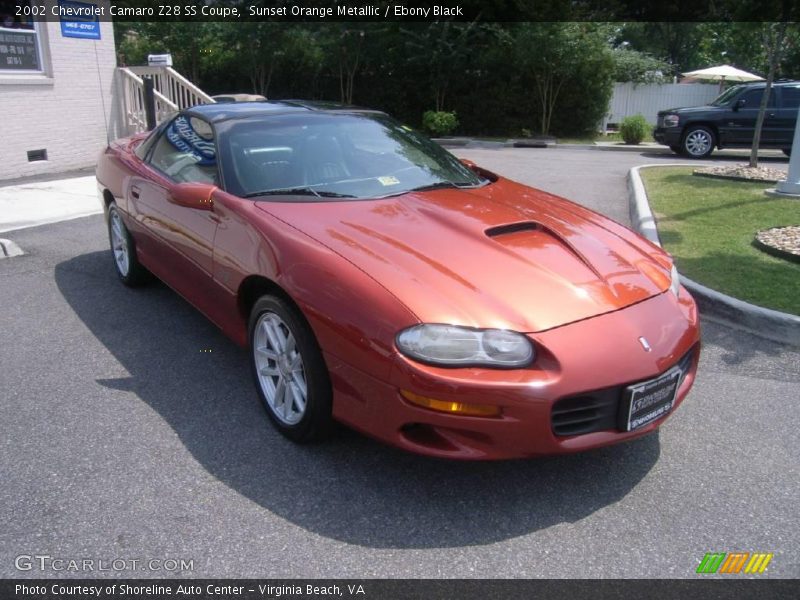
[[698, 142], [787, 152], [289, 371], [123, 251]]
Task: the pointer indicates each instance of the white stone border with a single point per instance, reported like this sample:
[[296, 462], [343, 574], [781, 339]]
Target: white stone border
[[771, 324]]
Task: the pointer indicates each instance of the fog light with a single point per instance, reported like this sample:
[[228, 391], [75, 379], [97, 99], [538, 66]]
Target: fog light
[[454, 408]]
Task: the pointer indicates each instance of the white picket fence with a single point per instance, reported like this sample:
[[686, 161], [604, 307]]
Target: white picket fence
[[647, 99]]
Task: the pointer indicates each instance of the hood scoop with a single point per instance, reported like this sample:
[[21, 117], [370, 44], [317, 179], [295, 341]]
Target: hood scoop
[[510, 229]]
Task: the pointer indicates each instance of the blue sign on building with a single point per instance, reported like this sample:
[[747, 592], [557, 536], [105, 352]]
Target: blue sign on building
[[81, 22]]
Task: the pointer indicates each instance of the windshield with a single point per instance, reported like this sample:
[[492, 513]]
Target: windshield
[[725, 97], [328, 156]]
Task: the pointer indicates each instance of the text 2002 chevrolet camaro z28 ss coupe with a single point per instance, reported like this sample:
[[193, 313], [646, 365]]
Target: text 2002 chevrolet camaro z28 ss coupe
[[379, 281]]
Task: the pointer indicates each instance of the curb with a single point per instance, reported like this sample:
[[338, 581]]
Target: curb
[[764, 322], [614, 147], [492, 144], [9, 249]]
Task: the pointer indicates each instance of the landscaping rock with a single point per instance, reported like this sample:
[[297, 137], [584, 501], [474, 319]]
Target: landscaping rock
[[783, 242], [743, 172]]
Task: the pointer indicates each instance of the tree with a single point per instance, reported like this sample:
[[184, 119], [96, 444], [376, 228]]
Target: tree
[[350, 44], [675, 43], [639, 67], [774, 37], [571, 55], [442, 49]]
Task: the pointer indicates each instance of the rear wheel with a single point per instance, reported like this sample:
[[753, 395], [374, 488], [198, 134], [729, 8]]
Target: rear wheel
[[698, 142], [289, 371], [123, 250]]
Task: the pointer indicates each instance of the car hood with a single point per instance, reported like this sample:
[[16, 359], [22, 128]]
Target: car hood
[[503, 256], [688, 110]]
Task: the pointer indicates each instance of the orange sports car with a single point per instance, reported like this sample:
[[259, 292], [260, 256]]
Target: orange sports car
[[381, 282]]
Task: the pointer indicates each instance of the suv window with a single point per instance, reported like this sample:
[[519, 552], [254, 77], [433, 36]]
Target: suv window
[[752, 98], [185, 151], [790, 97]]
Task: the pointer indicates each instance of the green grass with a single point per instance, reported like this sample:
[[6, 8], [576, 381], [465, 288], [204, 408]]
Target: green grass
[[708, 225]]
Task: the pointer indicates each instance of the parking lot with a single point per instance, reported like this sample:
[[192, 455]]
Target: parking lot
[[132, 430]]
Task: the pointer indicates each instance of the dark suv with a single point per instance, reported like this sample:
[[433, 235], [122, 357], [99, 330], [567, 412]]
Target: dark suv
[[730, 120]]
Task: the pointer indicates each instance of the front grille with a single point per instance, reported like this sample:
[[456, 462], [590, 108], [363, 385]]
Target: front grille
[[596, 410], [593, 411]]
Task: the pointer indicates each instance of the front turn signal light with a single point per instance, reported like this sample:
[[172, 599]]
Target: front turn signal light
[[453, 408]]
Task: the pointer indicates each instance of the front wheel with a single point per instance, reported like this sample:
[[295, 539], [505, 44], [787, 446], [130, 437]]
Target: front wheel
[[123, 249], [289, 371], [698, 142]]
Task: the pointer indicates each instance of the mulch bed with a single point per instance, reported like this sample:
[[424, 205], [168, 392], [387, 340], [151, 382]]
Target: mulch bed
[[742, 173], [783, 242]]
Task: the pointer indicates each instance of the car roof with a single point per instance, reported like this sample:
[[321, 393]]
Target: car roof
[[225, 111], [776, 83]]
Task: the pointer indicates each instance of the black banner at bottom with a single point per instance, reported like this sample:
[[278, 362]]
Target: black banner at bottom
[[395, 589]]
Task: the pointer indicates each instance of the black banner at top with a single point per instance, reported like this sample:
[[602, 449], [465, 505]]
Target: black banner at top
[[400, 10]]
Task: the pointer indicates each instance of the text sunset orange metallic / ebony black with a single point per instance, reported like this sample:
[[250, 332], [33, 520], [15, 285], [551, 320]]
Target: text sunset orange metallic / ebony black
[[379, 281]]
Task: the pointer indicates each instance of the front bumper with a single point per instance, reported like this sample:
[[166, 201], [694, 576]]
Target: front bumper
[[668, 136], [598, 353]]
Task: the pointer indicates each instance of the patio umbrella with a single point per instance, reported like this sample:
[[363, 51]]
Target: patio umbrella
[[722, 73]]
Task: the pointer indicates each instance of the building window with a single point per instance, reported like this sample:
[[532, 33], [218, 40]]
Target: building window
[[20, 46]]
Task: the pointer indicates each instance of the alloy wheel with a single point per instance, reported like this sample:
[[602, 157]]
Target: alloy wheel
[[280, 370], [698, 143], [119, 244]]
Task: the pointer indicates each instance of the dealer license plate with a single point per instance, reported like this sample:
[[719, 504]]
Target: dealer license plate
[[652, 399]]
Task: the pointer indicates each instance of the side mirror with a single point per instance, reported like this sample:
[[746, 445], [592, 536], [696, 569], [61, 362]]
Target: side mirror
[[193, 195], [468, 163], [739, 104]]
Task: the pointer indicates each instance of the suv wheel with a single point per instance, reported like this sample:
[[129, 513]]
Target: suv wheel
[[698, 142]]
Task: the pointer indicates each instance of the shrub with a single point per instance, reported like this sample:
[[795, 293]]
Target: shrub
[[634, 129], [439, 122]]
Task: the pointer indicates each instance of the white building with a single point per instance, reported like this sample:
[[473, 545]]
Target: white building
[[56, 83]]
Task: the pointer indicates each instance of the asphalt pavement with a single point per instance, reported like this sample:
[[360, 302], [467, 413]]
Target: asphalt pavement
[[131, 430]]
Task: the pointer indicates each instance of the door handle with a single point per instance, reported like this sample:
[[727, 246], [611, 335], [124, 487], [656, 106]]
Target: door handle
[[135, 191], [771, 115]]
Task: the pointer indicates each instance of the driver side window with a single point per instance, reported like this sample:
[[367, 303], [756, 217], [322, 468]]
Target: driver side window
[[185, 152]]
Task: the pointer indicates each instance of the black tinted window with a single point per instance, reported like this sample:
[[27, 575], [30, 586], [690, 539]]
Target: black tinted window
[[752, 98], [185, 151], [791, 97]]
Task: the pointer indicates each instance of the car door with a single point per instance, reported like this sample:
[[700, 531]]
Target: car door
[[789, 102], [742, 120], [179, 240]]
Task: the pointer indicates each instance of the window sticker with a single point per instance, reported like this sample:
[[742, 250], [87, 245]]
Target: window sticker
[[182, 136], [388, 180]]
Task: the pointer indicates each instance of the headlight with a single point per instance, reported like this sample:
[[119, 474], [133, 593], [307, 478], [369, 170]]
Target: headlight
[[675, 281], [450, 345], [671, 120]]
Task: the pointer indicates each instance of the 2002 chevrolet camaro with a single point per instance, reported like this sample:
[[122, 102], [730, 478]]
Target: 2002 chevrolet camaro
[[380, 282]]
